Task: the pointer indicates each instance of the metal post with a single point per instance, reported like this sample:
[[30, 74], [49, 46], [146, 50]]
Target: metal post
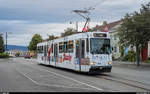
[[6, 41], [77, 26]]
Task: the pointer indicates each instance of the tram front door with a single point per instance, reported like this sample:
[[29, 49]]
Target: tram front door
[[80, 51]]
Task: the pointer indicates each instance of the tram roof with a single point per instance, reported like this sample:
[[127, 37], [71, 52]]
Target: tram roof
[[72, 37]]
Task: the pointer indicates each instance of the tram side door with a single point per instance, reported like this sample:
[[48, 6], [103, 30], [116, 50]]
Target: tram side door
[[45, 54], [55, 53], [80, 51]]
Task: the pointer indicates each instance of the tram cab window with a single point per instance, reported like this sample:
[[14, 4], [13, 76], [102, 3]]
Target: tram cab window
[[100, 46], [40, 49]]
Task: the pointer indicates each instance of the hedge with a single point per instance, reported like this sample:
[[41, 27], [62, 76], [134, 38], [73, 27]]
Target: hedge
[[4, 55], [131, 57]]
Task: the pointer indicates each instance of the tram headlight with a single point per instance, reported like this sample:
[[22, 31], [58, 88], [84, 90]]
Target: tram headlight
[[93, 63], [110, 62]]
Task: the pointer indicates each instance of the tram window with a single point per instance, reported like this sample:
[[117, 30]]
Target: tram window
[[87, 45], [70, 46], [77, 49], [52, 48], [47, 48], [60, 47], [65, 47]]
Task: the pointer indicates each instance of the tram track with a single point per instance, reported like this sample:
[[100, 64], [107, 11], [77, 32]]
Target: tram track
[[124, 81]]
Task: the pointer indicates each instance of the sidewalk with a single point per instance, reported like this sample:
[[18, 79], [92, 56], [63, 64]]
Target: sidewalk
[[131, 65], [130, 71]]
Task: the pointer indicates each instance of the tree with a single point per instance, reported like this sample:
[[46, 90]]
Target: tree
[[33, 43], [51, 37], [104, 23], [68, 31], [135, 30], [2, 47]]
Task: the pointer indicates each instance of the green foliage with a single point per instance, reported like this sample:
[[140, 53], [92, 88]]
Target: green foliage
[[135, 29], [35, 40], [113, 58], [2, 47], [147, 61], [35, 56], [131, 57], [51, 37], [4, 55], [17, 54], [68, 31], [104, 23]]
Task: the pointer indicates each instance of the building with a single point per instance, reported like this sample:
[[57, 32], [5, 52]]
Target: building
[[113, 30]]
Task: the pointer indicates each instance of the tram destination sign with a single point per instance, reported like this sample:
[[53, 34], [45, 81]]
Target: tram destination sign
[[99, 35]]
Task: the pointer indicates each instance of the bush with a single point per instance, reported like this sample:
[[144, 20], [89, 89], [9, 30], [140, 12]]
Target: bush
[[113, 58], [147, 61], [35, 56], [131, 57], [4, 55]]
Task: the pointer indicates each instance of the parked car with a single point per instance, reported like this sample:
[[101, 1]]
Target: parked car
[[27, 56]]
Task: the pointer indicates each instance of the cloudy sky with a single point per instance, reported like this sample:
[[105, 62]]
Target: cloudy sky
[[24, 18]]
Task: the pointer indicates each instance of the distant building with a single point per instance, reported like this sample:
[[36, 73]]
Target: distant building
[[14, 52]]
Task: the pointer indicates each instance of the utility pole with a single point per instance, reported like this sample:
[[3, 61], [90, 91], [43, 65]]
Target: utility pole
[[6, 41], [77, 26]]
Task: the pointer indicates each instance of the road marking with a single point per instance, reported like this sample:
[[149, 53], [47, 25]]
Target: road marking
[[97, 88], [35, 82], [73, 80], [41, 84]]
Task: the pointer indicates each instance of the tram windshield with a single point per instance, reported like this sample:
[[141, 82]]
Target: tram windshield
[[100, 46]]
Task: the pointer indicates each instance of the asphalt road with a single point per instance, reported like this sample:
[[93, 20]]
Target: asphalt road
[[25, 75]]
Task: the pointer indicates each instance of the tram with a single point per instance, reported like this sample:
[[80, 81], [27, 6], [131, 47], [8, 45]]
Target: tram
[[89, 52]]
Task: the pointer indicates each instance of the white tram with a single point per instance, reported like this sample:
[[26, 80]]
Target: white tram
[[84, 52]]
